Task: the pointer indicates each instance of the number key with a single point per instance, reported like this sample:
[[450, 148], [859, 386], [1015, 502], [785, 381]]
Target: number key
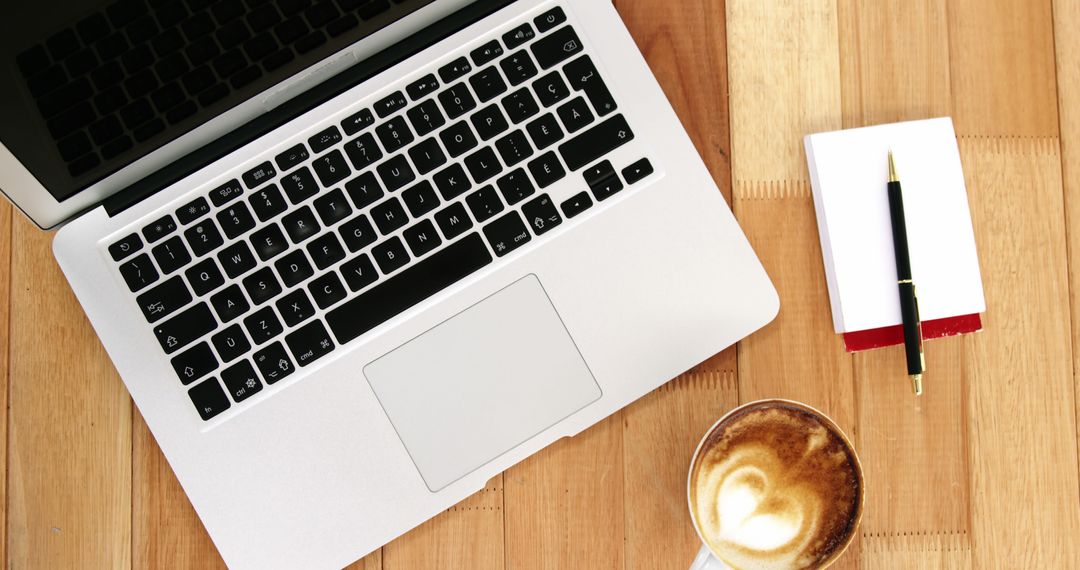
[[394, 134], [171, 255], [299, 185], [267, 202], [331, 168], [203, 237], [235, 220]]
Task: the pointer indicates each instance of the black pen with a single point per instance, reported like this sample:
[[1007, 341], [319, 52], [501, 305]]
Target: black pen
[[909, 302]]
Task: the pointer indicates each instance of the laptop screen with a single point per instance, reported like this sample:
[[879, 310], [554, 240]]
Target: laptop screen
[[89, 87]]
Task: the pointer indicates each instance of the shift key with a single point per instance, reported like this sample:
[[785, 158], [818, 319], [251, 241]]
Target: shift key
[[185, 328], [596, 142]]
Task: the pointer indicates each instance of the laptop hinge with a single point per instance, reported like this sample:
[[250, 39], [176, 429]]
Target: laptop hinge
[[303, 102]]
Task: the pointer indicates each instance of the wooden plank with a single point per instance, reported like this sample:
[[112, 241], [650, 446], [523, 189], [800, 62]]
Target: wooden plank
[[1066, 18], [1026, 503], [564, 505], [5, 343], [916, 551], [1002, 66], [468, 535], [70, 425], [166, 532]]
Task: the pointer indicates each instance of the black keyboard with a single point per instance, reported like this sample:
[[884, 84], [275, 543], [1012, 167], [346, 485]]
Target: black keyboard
[[122, 76], [275, 269]]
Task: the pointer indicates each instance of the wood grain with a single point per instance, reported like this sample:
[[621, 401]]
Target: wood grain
[[69, 454], [5, 330], [1022, 409]]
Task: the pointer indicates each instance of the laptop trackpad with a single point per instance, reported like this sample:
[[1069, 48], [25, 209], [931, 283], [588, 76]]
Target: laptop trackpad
[[482, 382]]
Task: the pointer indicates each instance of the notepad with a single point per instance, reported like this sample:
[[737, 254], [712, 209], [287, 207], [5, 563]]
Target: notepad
[[849, 175]]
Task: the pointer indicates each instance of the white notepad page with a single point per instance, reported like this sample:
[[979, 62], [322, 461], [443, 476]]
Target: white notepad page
[[849, 175]]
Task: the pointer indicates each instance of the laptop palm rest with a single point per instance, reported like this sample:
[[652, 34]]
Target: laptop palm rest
[[482, 382]]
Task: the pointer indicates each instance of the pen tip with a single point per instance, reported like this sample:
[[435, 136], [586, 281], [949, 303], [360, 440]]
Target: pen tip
[[893, 177], [916, 383]]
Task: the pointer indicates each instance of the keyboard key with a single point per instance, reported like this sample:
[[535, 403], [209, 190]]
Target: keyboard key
[[507, 234], [576, 204], [327, 290], [452, 182], [164, 300], [551, 89], [358, 122], [331, 168], [324, 139], [292, 157], [488, 84], [390, 255], [550, 19], [171, 255], [427, 156], [269, 242], [332, 207], [403, 291], [241, 381], [396, 173], [394, 134], [159, 229], [486, 52], [226, 193], [582, 75], [205, 277], [195, 363], [596, 142], [458, 139], [518, 67], [389, 216], [363, 151], [489, 122], [231, 343], [454, 70], [557, 47], [607, 187], [484, 203], [262, 286], [358, 233], [138, 273], [125, 247], [359, 272], [426, 117], [185, 328], [192, 211], [422, 87], [295, 308], [310, 343], [514, 148], [547, 169], [576, 115], [598, 172], [263, 326], [422, 238], [390, 104], [457, 101], [230, 303], [637, 171], [267, 203], [453, 220], [420, 199], [515, 186], [209, 399], [545, 131], [299, 185], [235, 220], [483, 165], [273, 363], [300, 224], [325, 251], [294, 269], [259, 175], [203, 237], [237, 259], [520, 105], [540, 214], [364, 190], [518, 36]]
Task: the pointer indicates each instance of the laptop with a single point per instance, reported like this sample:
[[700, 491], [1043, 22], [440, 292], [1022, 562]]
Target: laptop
[[353, 258]]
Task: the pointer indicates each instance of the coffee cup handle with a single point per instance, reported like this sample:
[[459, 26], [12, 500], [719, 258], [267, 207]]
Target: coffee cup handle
[[706, 561]]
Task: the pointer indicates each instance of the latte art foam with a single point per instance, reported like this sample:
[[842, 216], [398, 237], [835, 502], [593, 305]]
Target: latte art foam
[[774, 488]]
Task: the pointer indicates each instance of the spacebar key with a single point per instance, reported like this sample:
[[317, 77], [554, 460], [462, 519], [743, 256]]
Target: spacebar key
[[416, 283], [596, 142]]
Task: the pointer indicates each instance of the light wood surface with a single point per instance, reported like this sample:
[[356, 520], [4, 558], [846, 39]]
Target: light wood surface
[[981, 472]]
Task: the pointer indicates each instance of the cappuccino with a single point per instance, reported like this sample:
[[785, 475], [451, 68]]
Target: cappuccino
[[776, 486]]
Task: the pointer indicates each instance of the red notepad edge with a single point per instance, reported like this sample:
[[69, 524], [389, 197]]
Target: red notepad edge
[[889, 336]]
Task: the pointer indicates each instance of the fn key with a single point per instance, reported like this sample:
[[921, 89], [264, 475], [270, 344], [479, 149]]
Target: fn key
[[209, 399]]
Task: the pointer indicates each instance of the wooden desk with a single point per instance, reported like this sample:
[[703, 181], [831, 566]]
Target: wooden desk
[[979, 473]]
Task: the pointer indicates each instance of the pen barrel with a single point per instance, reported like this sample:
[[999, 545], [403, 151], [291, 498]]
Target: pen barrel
[[899, 229], [909, 312]]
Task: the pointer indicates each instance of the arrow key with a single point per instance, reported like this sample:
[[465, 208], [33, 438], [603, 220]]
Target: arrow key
[[195, 363]]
